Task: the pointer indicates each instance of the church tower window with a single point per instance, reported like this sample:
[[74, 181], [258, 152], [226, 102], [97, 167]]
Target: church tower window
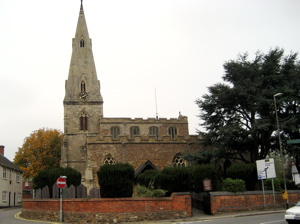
[[109, 160], [153, 131], [134, 130], [115, 132], [83, 121], [172, 132], [81, 43], [179, 161], [82, 86]]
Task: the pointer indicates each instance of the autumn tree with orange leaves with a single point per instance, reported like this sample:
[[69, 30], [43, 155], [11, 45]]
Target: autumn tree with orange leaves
[[41, 150]]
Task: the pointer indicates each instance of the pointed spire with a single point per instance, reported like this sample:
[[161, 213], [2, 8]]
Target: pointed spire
[[81, 25], [82, 66]]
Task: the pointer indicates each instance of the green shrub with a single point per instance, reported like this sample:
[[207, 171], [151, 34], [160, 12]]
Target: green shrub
[[233, 185], [204, 171], [268, 184], [246, 172], [116, 180], [149, 176], [143, 191], [158, 193], [176, 179]]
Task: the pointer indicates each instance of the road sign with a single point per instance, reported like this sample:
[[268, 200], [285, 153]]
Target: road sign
[[61, 182], [265, 169]]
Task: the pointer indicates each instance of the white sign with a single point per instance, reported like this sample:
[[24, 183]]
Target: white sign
[[296, 175], [265, 169]]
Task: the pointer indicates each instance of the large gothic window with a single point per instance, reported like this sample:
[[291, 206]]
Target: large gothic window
[[83, 121], [172, 132], [109, 160], [134, 130], [115, 132], [153, 131], [178, 161], [81, 43]]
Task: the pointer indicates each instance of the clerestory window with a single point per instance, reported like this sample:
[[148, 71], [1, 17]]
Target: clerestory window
[[153, 131], [172, 132], [134, 130], [115, 132]]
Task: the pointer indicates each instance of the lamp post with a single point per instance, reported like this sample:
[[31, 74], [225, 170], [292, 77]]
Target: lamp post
[[280, 147]]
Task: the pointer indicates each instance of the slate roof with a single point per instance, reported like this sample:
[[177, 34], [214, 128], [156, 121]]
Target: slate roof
[[146, 165], [8, 164]]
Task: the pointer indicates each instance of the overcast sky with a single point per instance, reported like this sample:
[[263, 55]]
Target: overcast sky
[[177, 47]]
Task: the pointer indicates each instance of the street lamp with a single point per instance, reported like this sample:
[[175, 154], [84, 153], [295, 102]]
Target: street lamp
[[280, 147]]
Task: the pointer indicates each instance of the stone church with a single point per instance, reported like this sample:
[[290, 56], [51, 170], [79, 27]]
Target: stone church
[[91, 139]]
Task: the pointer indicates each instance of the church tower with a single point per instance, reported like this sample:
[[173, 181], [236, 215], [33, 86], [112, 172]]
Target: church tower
[[83, 103]]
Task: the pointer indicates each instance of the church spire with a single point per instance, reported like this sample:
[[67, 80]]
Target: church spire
[[82, 85]]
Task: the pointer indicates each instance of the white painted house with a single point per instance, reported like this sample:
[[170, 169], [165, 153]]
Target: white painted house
[[10, 182]]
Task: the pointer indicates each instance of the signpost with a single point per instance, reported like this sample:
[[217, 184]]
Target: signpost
[[61, 183], [266, 170], [207, 186]]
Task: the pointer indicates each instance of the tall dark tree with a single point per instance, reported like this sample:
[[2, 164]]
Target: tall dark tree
[[239, 114]]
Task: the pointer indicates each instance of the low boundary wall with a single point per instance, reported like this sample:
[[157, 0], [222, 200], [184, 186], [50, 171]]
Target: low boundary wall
[[221, 202], [109, 210]]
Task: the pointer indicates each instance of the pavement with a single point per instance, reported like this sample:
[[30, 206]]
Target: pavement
[[199, 215]]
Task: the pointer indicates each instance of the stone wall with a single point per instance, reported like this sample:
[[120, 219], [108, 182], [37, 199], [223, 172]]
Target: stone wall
[[250, 200], [109, 210]]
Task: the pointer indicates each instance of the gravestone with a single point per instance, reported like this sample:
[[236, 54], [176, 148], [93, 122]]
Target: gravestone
[[94, 193], [38, 194], [45, 192], [71, 192], [65, 192], [55, 191], [81, 191]]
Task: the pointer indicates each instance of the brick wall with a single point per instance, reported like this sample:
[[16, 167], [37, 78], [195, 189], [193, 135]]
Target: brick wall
[[109, 210], [251, 200]]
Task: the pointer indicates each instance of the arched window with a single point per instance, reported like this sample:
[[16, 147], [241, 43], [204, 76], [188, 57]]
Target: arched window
[[82, 86], [83, 121], [178, 161], [115, 132], [153, 131], [109, 160], [172, 132], [81, 43], [134, 130]]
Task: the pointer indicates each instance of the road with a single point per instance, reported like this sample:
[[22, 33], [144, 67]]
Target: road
[[9, 216], [277, 218]]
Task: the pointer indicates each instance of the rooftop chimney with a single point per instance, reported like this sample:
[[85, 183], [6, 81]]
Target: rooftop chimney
[[2, 150]]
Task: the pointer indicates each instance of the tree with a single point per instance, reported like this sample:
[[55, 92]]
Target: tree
[[41, 150], [239, 113], [116, 180], [48, 177]]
